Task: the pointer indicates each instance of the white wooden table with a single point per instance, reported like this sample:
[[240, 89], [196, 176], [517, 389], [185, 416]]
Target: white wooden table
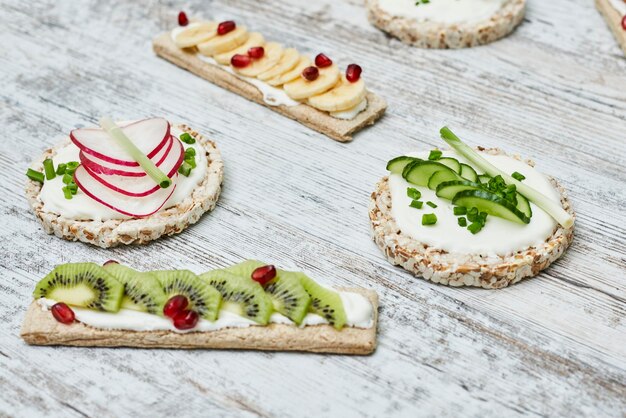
[[554, 91]]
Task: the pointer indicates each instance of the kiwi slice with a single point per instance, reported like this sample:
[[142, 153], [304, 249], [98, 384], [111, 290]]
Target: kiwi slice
[[242, 296], [82, 284], [142, 291], [288, 296], [324, 301], [203, 299]]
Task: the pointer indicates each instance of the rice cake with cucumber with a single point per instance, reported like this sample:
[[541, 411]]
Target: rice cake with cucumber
[[465, 217], [87, 188]]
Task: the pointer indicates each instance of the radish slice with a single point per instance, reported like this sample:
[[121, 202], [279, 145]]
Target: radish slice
[[136, 207], [144, 186], [100, 166], [149, 135]]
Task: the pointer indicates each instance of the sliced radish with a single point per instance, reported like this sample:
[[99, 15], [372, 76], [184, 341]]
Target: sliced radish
[[137, 207], [143, 186], [100, 166], [149, 135]]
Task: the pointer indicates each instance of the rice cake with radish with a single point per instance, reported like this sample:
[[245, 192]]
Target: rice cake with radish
[[614, 12]]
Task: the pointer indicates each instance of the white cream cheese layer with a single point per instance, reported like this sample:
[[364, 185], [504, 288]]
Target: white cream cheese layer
[[443, 11], [619, 5], [83, 207], [359, 312], [498, 236]]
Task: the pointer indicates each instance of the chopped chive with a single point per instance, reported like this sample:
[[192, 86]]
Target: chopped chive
[[187, 139], [67, 192], [518, 176], [429, 219], [71, 167], [185, 169], [67, 178], [190, 151], [413, 193], [61, 169], [35, 175], [460, 210], [191, 161], [475, 227], [435, 155], [48, 168], [431, 204], [472, 214], [462, 221], [73, 187], [482, 216], [416, 204]]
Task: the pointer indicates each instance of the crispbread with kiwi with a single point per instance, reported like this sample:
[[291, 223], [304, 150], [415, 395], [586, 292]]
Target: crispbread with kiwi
[[40, 328], [338, 129], [614, 20]]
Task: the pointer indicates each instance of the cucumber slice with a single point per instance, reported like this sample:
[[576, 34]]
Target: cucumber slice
[[449, 190], [441, 177], [523, 205], [484, 178], [490, 203], [468, 172], [453, 163], [397, 164], [419, 172]]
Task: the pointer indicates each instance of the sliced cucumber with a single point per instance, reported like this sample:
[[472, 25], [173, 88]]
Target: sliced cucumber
[[468, 172], [441, 177], [453, 163], [490, 203], [449, 190], [484, 178], [419, 172], [397, 164], [523, 205]]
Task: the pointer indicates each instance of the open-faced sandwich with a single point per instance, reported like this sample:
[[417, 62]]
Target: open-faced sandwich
[[466, 217], [314, 92], [250, 306], [126, 184], [614, 12], [446, 23]]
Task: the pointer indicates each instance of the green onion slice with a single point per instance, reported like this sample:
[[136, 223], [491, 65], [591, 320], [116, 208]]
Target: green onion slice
[[48, 168], [429, 219], [35, 175]]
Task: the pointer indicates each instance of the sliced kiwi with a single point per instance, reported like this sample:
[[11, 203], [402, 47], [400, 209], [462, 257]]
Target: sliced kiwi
[[242, 296], [324, 302], [142, 291], [82, 284], [245, 268], [203, 299]]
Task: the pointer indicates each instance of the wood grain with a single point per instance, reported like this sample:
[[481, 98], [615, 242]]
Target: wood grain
[[555, 91]]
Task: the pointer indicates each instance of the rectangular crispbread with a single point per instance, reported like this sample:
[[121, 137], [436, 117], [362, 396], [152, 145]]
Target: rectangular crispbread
[[338, 129], [614, 20], [40, 328]]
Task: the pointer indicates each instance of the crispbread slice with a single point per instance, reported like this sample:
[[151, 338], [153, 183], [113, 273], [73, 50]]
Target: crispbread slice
[[40, 328], [338, 129], [614, 20]]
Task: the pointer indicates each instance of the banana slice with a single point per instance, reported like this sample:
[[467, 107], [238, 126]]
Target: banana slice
[[194, 34], [292, 74], [273, 53], [345, 95], [300, 88], [255, 39], [224, 43], [289, 60]]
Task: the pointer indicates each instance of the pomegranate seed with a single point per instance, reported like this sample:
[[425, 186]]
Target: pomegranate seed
[[256, 52], [182, 19], [624, 22], [264, 274], [311, 73], [323, 61], [225, 27], [62, 313], [110, 262], [175, 305], [240, 61], [353, 73], [186, 320]]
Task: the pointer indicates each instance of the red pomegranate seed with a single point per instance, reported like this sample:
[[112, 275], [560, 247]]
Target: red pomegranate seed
[[256, 52], [353, 73], [225, 27], [311, 73], [62, 313], [182, 19], [175, 305], [110, 262], [264, 274], [240, 61], [186, 320], [323, 61], [624, 22]]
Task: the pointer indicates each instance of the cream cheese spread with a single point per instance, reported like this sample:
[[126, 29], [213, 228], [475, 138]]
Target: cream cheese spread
[[359, 313], [619, 5], [498, 236], [443, 11], [83, 207], [350, 113]]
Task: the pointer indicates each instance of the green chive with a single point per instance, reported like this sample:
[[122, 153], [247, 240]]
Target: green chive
[[482, 216], [48, 168], [73, 187], [460, 210], [71, 167], [67, 178], [435, 155], [191, 161], [190, 151], [462, 221], [475, 227], [431, 204], [416, 204], [67, 193], [518, 176], [187, 139], [185, 169], [429, 219], [61, 169], [472, 214], [35, 175], [413, 193]]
